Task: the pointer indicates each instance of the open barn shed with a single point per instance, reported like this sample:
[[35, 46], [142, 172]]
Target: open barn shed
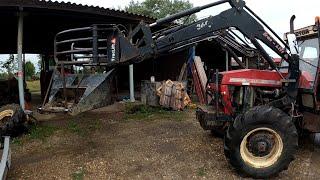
[[39, 22]]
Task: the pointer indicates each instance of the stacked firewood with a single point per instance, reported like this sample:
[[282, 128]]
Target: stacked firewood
[[173, 95]]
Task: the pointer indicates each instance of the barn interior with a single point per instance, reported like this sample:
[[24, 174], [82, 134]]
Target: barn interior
[[42, 20]]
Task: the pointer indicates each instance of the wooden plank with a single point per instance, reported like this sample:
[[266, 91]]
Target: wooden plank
[[183, 72], [201, 72], [198, 87]]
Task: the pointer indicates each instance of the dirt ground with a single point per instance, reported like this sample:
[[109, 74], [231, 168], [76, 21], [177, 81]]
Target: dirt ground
[[112, 144]]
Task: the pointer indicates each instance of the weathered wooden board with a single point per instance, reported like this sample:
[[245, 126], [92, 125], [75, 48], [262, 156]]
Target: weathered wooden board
[[201, 72]]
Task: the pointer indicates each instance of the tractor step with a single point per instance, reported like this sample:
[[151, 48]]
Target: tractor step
[[209, 119]]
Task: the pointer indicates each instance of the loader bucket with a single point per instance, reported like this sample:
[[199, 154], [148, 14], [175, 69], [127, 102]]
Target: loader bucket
[[81, 93]]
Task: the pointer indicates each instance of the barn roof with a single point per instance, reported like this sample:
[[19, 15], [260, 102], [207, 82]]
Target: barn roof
[[43, 19]]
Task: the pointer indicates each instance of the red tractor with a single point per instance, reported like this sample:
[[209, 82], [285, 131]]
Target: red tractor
[[261, 132], [261, 111]]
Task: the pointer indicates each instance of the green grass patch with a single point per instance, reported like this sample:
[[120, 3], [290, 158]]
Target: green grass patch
[[35, 132], [83, 128], [33, 86], [41, 132], [78, 175], [144, 112], [17, 141], [201, 172], [95, 125], [75, 128]]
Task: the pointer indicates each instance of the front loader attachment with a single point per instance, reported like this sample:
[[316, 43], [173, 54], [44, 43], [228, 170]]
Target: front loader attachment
[[79, 93], [79, 54]]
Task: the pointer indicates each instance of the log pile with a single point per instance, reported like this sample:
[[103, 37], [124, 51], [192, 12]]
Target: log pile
[[173, 95]]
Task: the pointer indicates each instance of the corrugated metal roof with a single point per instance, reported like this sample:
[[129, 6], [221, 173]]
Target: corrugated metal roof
[[46, 18], [74, 7]]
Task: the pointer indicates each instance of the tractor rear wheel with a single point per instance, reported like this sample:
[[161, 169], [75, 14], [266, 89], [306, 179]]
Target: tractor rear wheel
[[262, 142], [12, 120]]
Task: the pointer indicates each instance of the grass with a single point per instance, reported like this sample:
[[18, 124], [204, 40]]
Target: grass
[[36, 132], [201, 172], [144, 112], [83, 128], [41, 132], [33, 86], [17, 141], [95, 125], [74, 127], [84, 125], [79, 174]]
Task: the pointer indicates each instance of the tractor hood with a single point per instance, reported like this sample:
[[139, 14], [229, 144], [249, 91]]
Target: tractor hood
[[261, 78]]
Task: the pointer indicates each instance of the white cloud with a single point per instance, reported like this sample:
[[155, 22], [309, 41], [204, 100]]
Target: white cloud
[[275, 12]]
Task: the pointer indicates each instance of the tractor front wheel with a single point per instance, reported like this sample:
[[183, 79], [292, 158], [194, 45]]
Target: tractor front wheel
[[262, 142], [219, 130]]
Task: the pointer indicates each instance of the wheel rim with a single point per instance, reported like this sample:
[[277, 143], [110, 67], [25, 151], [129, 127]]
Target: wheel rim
[[261, 148], [5, 115]]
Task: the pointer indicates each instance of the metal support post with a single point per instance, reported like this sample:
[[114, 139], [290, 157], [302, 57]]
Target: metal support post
[[131, 80], [95, 49], [227, 60], [64, 85], [20, 62], [132, 99]]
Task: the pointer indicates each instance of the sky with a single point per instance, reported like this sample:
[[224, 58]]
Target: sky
[[276, 13]]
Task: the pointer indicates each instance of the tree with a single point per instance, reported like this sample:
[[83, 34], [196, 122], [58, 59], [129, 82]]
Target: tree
[[29, 70], [161, 8], [11, 65]]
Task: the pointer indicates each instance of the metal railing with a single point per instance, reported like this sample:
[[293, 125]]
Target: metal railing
[[87, 45]]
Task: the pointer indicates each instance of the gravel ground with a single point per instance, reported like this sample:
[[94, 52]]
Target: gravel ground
[[108, 144]]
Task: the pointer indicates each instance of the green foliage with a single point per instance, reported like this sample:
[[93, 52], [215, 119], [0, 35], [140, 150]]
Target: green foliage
[[4, 76], [161, 8], [30, 70], [10, 65]]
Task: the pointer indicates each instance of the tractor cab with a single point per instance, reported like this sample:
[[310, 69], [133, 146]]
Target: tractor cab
[[308, 42]]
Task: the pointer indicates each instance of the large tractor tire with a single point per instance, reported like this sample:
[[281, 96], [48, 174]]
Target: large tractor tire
[[12, 119], [262, 142], [218, 131]]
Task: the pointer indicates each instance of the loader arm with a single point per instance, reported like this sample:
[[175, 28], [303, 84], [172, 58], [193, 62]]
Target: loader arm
[[240, 17], [112, 46]]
